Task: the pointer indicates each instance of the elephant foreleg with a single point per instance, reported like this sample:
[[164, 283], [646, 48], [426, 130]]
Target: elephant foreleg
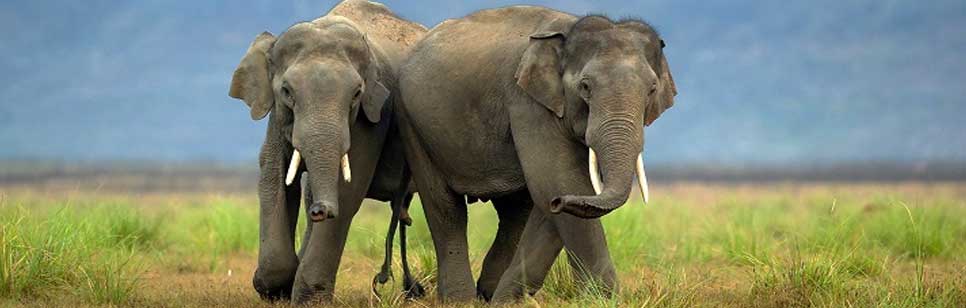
[[587, 252], [539, 247], [309, 199], [512, 211], [278, 215], [535, 135], [315, 279]]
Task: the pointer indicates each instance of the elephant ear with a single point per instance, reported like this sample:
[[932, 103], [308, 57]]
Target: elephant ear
[[376, 93], [665, 95], [251, 82], [375, 98], [539, 71]]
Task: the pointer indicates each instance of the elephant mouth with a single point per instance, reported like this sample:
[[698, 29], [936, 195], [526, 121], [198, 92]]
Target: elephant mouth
[[604, 201], [593, 167], [297, 160], [319, 210]]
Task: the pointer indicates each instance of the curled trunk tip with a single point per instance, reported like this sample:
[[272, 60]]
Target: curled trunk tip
[[579, 206]]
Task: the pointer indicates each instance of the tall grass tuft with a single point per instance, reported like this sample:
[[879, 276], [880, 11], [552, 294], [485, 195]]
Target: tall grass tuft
[[65, 251], [125, 226], [112, 279]]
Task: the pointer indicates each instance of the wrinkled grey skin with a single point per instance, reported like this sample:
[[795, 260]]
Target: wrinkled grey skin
[[329, 87], [517, 95]]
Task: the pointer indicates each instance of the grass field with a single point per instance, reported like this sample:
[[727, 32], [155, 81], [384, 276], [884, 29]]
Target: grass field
[[714, 245]]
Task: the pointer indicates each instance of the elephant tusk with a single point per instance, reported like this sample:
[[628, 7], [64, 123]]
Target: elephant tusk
[[594, 174], [642, 178], [346, 172], [293, 167]]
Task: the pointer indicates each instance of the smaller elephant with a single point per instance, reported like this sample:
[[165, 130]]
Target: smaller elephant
[[329, 88]]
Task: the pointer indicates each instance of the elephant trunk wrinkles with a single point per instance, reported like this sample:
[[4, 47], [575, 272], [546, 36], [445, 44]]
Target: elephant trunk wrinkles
[[322, 162], [618, 145]]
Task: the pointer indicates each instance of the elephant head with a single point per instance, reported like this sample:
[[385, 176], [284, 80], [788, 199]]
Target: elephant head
[[315, 77], [606, 81]]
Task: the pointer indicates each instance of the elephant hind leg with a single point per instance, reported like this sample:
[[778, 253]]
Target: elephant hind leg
[[512, 210], [386, 271], [404, 214], [411, 287], [446, 216]]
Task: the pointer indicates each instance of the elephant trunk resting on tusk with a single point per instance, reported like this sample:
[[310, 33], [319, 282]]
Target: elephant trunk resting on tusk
[[297, 160], [595, 175], [582, 206]]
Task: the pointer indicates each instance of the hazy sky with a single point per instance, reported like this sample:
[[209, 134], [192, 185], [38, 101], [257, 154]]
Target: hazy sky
[[768, 81]]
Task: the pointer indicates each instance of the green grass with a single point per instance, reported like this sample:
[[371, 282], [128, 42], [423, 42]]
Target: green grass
[[71, 252], [694, 245]]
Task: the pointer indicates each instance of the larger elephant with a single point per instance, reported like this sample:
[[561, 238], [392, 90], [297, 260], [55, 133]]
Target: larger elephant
[[505, 104], [329, 87]]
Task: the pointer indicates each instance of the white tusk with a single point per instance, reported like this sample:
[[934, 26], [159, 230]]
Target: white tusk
[[346, 172], [293, 167], [592, 166], [642, 178]]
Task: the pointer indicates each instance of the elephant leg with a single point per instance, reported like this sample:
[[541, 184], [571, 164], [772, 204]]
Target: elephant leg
[[446, 216], [587, 252], [315, 279], [512, 211], [539, 246], [308, 200], [404, 217], [386, 271], [278, 215], [535, 135], [543, 237], [411, 287]]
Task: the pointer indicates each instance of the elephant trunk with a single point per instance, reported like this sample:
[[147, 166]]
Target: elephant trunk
[[619, 144], [324, 163]]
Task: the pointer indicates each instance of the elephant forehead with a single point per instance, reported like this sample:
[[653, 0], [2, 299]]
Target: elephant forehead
[[311, 37], [616, 39]]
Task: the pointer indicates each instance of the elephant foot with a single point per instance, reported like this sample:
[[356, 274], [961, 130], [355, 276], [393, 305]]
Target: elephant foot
[[413, 289], [305, 293], [483, 294], [272, 289], [273, 294], [405, 218], [380, 278]]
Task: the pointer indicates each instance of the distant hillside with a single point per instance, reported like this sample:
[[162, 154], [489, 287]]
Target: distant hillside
[[760, 82]]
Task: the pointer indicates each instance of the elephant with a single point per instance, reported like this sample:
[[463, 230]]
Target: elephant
[[515, 105], [329, 88]]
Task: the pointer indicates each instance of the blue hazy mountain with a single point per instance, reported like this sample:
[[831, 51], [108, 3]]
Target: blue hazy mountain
[[760, 82]]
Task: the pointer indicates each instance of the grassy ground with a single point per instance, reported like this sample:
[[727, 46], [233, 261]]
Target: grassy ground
[[833, 245]]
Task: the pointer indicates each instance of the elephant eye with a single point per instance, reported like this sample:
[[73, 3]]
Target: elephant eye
[[358, 94], [584, 88], [288, 93], [662, 44]]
